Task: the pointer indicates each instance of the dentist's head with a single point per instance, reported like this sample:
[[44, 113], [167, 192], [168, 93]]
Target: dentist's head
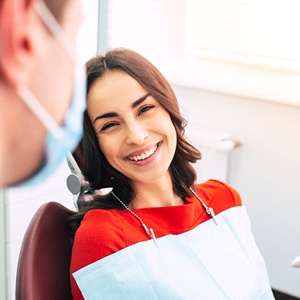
[[42, 90]]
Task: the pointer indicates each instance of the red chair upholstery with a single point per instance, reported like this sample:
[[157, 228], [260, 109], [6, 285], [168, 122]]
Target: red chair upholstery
[[44, 260]]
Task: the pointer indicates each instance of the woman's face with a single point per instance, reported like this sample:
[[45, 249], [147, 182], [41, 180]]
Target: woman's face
[[134, 131]]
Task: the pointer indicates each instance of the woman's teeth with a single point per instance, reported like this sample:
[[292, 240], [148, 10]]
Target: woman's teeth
[[143, 156]]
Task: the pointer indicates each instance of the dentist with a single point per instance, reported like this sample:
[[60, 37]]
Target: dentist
[[42, 89]]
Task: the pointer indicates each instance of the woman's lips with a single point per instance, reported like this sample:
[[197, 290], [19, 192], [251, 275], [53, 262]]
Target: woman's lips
[[143, 155]]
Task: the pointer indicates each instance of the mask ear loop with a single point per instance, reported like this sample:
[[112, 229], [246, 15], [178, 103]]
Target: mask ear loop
[[55, 28], [31, 101], [40, 112]]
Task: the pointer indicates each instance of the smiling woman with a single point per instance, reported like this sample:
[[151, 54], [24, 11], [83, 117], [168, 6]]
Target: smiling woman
[[130, 127], [156, 223], [125, 76]]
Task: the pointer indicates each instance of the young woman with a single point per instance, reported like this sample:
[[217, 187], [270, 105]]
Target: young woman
[[157, 234]]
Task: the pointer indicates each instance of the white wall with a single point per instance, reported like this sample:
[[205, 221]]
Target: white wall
[[265, 170]]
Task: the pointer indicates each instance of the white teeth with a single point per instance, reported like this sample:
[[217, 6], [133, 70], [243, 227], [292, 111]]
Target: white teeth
[[143, 155]]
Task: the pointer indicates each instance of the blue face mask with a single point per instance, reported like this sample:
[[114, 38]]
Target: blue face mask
[[60, 140]]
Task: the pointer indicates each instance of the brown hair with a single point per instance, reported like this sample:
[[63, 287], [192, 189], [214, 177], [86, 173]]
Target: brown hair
[[96, 168]]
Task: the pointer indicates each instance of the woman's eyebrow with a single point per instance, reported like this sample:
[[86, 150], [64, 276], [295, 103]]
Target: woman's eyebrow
[[106, 115], [114, 114], [139, 101]]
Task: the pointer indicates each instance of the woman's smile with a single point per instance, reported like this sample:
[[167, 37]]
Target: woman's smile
[[143, 154]]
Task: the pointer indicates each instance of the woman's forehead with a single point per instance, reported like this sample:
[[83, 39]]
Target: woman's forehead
[[114, 83], [116, 88]]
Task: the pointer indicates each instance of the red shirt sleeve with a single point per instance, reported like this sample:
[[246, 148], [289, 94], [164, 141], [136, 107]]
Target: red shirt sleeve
[[218, 195]]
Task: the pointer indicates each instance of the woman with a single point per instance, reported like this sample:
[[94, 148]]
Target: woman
[[156, 235]]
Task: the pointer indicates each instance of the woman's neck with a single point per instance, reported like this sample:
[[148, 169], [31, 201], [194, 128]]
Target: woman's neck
[[156, 194]]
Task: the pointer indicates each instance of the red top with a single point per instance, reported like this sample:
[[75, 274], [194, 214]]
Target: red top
[[104, 232]]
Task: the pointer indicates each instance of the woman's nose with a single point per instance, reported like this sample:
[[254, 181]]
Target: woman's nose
[[136, 134]]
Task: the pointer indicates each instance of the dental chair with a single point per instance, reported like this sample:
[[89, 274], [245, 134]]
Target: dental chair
[[44, 259]]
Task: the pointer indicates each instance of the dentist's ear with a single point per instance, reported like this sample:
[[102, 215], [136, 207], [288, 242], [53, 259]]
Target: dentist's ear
[[16, 50]]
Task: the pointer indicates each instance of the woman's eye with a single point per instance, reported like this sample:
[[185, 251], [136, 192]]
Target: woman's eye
[[145, 108], [107, 126]]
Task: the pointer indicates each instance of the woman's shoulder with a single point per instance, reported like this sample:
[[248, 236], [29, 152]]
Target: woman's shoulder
[[99, 235], [219, 194], [99, 227], [100, 222]]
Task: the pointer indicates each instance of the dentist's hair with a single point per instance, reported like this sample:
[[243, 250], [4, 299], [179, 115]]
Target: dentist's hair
[[96, 168]]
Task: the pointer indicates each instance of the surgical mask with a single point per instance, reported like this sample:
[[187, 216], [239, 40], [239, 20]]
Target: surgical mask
[[60, 140]]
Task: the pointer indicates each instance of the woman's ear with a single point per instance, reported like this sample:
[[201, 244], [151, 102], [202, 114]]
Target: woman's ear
[[16, 50]]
